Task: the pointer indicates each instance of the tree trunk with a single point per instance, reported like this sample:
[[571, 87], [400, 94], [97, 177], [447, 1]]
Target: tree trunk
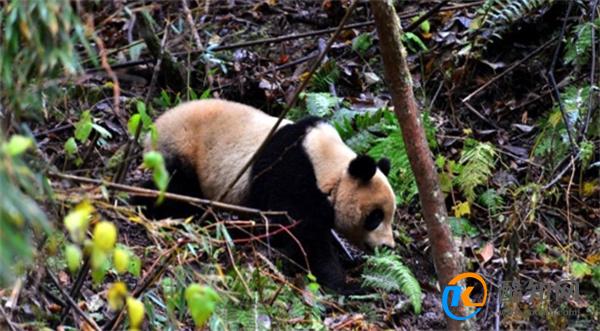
[[446, 257]]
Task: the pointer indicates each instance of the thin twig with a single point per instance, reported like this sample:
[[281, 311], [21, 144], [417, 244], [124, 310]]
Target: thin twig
[[425, 16], [509, 69], [553, 80], [190, 21], [71, 303], [483, 118], [178, 197], [292, 101], [497, 312], [74, 293], [10, 323], [115, 82], [561, 173], [237, 271]]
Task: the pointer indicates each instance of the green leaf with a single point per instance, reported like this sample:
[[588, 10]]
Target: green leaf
[[73, 256], [205, 94], [413, 42], [461, 227], [201, 301], [155, 161], [17, 145], [580, 269], [70, 147], [385, 270], [133, 123], [362, 43], [84, 126], [140, 107], [425, 26], [135, 265], [478, 160]]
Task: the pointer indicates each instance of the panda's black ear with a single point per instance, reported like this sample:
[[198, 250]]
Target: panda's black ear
[[384, 165], [363, 167]]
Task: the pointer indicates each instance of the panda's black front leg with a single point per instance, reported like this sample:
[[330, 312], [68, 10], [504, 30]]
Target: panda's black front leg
[[324, 263], [327, 267]]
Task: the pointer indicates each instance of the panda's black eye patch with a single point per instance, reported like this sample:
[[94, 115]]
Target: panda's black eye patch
[[373, 219]]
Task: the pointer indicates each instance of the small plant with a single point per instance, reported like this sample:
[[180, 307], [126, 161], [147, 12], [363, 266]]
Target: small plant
[[552, 143], [83, 131], [143, 122], [478, 160], [326, 75], [579, 43], [385, 271]]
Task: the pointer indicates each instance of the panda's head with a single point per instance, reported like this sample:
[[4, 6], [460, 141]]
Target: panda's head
[[364, 203]]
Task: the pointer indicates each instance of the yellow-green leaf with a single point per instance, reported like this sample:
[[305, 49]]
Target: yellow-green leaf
[[73, 256], [121, 260], [77, 221], [105, 236], [116, 295], [135, 309], [461, 208], [17, 145], [201, 301], [580, 269]]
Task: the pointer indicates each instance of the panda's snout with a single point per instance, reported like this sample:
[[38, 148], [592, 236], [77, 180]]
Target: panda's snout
[[389, 244]]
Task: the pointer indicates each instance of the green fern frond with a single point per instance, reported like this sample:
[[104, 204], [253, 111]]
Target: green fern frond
[[327, 75], [400, 176], [495, 17], [386, 271], [478, 160], [491, 200], [504, 13]]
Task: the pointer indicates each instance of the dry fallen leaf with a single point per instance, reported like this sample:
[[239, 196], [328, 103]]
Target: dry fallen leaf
[[486, 253]]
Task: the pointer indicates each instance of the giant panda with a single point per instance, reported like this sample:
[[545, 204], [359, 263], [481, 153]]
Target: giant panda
[[305, 170]]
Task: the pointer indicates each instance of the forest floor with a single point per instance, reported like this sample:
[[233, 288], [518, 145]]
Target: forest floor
[[532, 215]]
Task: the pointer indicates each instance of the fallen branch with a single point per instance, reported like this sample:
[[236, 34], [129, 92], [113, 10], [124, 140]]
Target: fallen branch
[[177, 197]]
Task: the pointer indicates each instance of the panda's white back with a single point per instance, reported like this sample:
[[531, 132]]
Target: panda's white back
[[217, 137]]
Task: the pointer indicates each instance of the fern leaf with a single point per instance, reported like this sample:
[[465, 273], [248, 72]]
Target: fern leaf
[[478, 160], [386, 271]]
